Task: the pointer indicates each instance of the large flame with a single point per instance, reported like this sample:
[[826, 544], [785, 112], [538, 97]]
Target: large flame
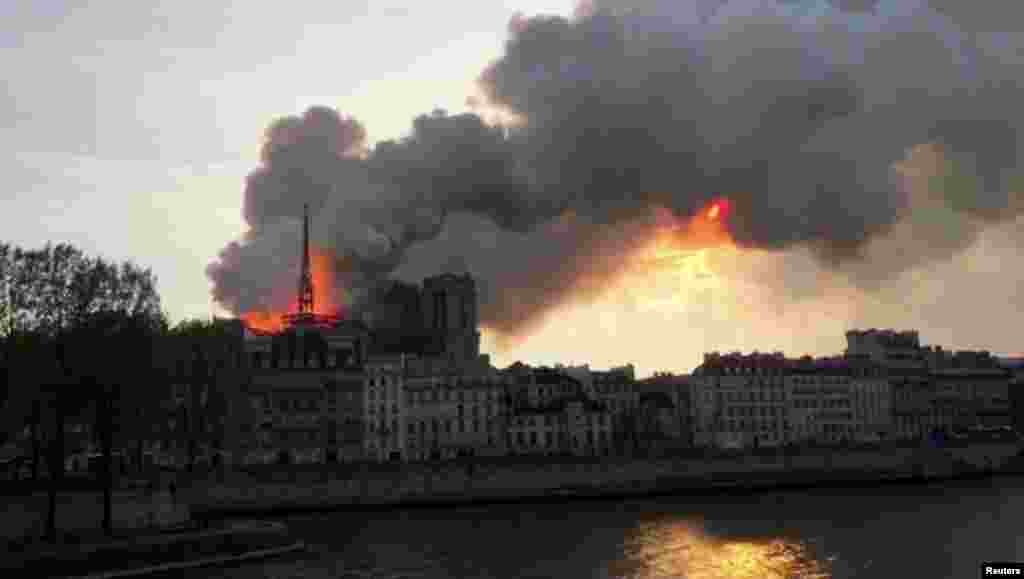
[[681, 257], [328, 298], [680, 275]]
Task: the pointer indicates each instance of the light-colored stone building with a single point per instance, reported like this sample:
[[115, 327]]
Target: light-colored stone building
[[453, 414], [570, 426], [871, 402], [740, 400], [552, 413], [769, 400], [933, 389], [890, 348], [615, 388], [384, 407]]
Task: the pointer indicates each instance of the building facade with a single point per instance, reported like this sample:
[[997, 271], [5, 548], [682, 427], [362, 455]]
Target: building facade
[[573, 426], [758, 400], [384, 407], [454, 415], [665, 410]]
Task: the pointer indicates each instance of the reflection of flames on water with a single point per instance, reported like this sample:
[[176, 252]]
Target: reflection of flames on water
[[682, 550], [329, 297]]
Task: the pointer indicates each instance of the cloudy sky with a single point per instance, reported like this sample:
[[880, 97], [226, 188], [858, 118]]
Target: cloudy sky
[[128, 129]]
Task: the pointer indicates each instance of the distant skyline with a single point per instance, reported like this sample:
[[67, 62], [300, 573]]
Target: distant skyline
[[128, 131]]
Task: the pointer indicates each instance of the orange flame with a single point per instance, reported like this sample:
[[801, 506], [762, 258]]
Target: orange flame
[[681, 258], [705, 230], [328, 298], [718, 210]]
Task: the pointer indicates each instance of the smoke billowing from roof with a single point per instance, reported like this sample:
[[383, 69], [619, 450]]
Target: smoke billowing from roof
[[829, 125]]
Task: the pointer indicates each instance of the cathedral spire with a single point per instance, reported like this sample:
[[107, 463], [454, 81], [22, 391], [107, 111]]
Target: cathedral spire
[[305, 276]]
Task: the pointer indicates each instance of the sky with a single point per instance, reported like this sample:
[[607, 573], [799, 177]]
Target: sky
[[127, 129]]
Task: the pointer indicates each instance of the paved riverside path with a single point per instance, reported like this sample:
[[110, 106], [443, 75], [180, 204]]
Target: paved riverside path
[[82, 513]]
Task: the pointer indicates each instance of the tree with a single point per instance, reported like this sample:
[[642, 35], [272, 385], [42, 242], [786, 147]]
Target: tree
[[110, 357], [70, 330], [63, 397], [56, 462], [211, 351], [56, 287], [47, 292]]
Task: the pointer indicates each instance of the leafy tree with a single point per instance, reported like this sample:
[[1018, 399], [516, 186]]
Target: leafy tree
[[110, 356], [54, 288], [48, 292], [74, 330], [209, 352]]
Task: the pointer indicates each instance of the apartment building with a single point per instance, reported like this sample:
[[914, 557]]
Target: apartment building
[[384, 407], [451, 415], [575, 426], [759, 399]]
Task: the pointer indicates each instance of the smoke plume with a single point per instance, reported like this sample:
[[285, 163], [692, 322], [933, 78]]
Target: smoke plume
[[844, 128]]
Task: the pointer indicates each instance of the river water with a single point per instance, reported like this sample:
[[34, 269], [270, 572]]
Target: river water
[[929, 531]]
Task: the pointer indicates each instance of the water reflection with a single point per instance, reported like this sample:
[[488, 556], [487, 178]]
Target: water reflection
[[937, 531], [674, 548]]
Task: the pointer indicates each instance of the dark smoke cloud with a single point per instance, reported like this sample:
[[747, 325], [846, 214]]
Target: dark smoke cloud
[[798, 111], [304, 160]]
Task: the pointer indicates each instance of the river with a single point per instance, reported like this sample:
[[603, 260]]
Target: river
[[934, 531]]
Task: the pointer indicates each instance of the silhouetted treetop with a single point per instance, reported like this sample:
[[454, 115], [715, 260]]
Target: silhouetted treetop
[[55, 288]]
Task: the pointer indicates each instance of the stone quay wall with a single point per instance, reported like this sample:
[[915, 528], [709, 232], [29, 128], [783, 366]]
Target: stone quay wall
[[460, 483]]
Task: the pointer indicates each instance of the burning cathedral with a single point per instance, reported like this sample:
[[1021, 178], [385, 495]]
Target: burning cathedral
[[303, 386], [437, 321]]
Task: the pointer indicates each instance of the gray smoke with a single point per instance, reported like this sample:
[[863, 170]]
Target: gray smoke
[[795, 110]]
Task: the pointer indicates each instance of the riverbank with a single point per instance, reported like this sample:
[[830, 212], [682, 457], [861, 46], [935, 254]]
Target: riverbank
[[80, 514], [157, 553], [417, 487], [674, 488]]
